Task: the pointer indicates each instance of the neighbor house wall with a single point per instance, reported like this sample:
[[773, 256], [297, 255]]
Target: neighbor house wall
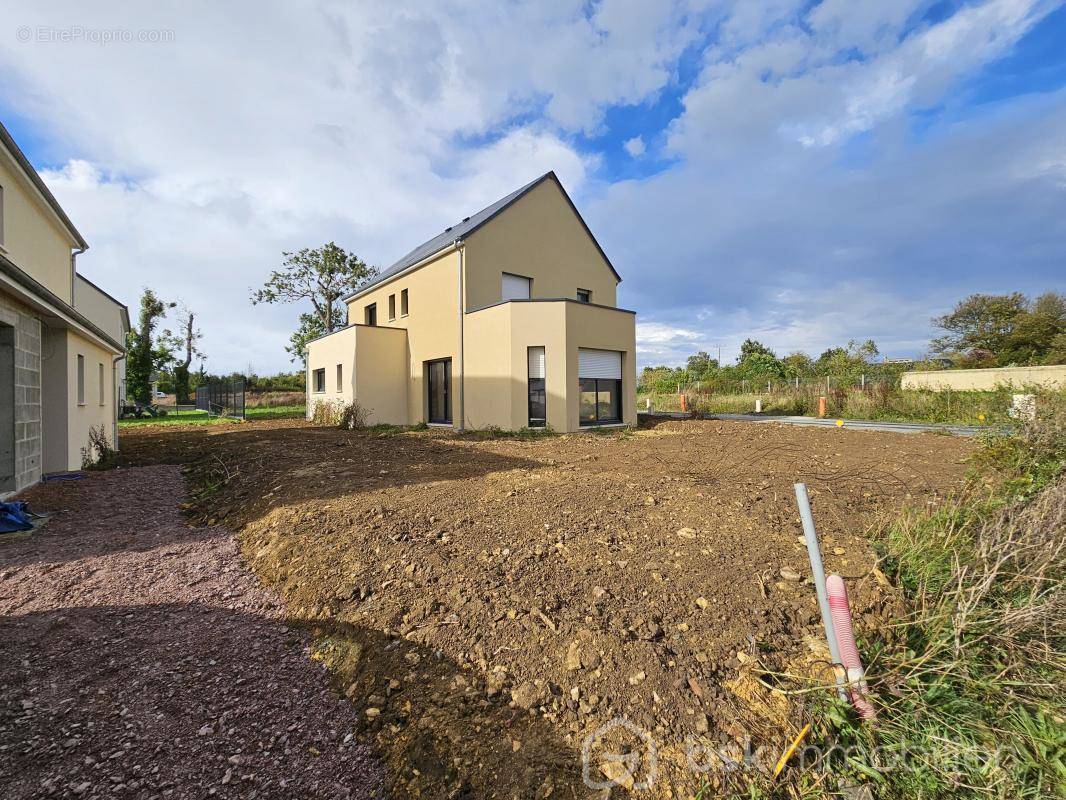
[[33, 238], [92, 413], [985, 379], [26, 337], [539, 237], [432, 324]]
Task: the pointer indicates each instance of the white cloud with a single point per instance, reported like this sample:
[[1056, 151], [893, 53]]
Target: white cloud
[[634, 146], [191, 165]]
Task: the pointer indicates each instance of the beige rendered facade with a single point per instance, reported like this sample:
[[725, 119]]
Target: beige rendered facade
[[58, 360], [506, 319]]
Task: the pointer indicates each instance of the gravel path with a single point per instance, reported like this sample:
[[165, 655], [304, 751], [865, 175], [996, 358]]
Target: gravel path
[[140, 658]]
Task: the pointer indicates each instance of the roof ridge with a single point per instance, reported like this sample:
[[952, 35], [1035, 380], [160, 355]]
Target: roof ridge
[[455, 232]]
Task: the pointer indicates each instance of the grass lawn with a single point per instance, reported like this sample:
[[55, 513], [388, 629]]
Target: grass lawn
[[202, 418]]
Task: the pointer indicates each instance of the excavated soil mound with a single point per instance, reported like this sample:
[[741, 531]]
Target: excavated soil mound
[[488, 605]]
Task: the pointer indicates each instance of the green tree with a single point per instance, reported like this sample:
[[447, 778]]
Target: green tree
[[847, 363], [750, 347], [980, 322], [700, 366], [322, 276], [797, 365], [1034, 330], [756, 361], [144, 355], [310, 327]]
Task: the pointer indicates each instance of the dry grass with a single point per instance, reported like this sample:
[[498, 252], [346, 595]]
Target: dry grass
[[273, 399]]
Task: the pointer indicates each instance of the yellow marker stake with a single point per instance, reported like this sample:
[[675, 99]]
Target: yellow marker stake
[[785, 756], [840, 423]]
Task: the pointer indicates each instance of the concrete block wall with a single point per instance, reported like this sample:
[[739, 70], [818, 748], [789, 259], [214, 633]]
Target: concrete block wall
[[27, 389]]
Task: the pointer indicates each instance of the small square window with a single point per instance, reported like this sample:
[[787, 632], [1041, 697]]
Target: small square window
[[584, 296], [403, 303], [392, 307]]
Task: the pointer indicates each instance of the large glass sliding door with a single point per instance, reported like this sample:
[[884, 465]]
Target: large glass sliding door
[[599, 386], [438, 383]]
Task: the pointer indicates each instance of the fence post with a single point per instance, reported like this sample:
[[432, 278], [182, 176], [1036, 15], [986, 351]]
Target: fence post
[[827, 384], [863, 385]]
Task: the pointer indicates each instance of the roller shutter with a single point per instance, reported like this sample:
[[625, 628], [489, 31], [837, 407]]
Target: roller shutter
[[604, 364], [536, 362], [515, 287]]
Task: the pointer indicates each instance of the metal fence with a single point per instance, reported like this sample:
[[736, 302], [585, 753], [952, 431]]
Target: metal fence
[[221, 398], [822, 384]]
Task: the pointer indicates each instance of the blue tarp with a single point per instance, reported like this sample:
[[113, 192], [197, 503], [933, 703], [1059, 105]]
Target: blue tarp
[[15, 517]]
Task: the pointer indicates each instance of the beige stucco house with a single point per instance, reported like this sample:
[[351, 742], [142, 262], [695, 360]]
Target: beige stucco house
[[507, 319], [61, 338]]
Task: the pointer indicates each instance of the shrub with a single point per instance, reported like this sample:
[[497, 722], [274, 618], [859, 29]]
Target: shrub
[[98, 454], [339, 414]]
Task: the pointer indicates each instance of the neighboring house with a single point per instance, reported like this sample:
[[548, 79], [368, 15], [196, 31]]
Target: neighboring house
[[58, 345], [113, 318], [505, 319]]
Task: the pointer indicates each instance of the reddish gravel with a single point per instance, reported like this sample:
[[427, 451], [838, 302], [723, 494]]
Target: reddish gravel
[[140, 658]]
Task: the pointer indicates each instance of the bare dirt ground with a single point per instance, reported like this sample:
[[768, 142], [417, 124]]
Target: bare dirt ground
[[488, 604], [140, 658]]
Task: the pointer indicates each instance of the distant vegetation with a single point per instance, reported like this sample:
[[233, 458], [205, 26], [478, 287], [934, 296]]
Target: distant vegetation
[[982, 331]]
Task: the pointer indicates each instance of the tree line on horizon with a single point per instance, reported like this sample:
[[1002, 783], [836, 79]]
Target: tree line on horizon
[[981, 331]]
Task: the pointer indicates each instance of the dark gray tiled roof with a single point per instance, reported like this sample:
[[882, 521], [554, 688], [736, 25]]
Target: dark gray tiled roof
[[468, 225]]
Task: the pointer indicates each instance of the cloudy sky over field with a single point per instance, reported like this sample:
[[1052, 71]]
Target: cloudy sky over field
[[799, 172]]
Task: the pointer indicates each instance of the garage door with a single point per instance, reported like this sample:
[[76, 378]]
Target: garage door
[[599, 364]]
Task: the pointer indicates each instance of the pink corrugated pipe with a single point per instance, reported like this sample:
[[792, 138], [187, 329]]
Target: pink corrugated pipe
[[849, 653]]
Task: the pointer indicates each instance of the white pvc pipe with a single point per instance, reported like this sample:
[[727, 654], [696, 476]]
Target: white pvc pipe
[[815, 555]]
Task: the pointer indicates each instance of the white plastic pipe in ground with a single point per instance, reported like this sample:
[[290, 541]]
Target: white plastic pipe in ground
[[815, 555], [841, 613]]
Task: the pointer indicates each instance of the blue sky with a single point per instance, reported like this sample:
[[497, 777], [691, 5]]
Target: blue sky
[[803, 173]]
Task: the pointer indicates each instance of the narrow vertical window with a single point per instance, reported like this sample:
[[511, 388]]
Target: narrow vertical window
[[538, 416], [81, 380], [403, 303], [392, 307], [370, 314], [1, 215], [100, 373], [319, 383], [340, 377]]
